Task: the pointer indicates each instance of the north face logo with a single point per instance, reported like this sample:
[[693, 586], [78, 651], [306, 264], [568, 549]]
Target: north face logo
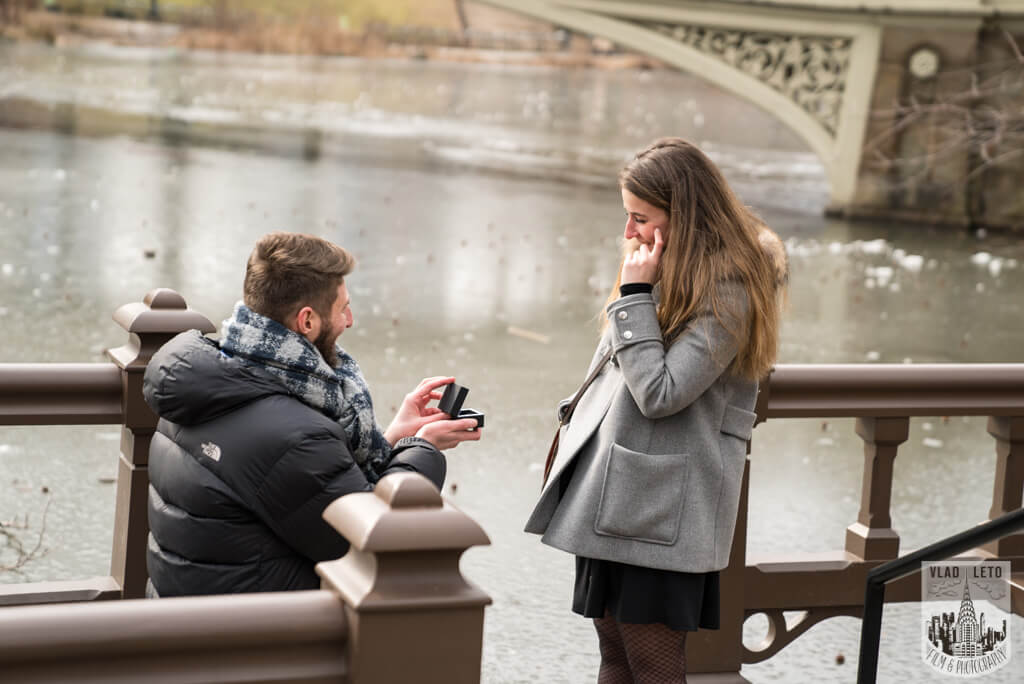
[[211, 450]]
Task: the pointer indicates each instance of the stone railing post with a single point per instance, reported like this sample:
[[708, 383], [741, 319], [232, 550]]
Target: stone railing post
[[150, 323], [716, 656], [872, 536], [412, 616], [1008, 490]]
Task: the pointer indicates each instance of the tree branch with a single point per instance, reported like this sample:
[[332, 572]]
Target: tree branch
[[1013, 45], [14, 542]]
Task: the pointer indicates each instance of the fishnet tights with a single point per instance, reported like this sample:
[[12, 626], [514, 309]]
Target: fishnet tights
[[640, 654]]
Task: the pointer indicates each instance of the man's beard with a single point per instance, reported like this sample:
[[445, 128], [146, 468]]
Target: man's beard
[[324, 343]]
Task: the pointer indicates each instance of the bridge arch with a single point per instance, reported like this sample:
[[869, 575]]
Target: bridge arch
[[814, 71]]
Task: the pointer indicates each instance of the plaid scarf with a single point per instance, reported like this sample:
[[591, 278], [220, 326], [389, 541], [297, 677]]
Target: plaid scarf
[[340, 393]]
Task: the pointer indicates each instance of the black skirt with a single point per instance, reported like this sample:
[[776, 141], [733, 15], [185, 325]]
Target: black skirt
[[636, 595]]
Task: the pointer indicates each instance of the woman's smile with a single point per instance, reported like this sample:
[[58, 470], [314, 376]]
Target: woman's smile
[[642, 218]]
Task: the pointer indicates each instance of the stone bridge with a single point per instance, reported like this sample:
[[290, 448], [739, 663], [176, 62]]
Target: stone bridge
[[915, 107]]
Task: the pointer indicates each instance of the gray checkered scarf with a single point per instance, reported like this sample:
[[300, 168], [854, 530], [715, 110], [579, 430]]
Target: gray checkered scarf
[[340, 393]]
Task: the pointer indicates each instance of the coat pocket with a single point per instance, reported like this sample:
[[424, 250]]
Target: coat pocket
[[642, 496], [738, 422]]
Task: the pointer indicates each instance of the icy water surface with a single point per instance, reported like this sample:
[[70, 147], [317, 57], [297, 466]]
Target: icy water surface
[[481, 203]]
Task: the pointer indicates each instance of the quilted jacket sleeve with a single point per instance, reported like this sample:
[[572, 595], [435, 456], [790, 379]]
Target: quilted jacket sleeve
[[313, 473]]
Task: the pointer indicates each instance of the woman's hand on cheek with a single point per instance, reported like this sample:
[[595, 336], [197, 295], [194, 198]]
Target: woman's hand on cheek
[[642, 265]]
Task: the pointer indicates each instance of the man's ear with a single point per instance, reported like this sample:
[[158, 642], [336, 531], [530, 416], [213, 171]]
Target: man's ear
[[306, 321]]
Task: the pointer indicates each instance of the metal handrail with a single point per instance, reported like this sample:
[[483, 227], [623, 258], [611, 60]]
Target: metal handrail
[[874, 593]]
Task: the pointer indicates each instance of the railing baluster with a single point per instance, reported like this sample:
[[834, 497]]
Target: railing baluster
[[721, 650], [872, 536], [152, 322], [1009, 478]]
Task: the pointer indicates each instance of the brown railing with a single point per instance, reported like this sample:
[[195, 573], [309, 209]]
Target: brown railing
[[96, 394], [882, 398], [399, 582]]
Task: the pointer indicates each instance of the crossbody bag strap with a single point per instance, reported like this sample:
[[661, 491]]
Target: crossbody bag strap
[[567, 416], [553, 450]]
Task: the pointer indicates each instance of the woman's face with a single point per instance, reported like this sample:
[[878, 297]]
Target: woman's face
[[642, 218]]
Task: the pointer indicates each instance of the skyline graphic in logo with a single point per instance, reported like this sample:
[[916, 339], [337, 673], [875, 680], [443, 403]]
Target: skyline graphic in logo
[[965, 610]]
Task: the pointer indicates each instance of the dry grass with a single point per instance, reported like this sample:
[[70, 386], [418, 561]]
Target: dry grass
[[309, 27], [307, 38], [280, 26], [343, 14], [11, 10]]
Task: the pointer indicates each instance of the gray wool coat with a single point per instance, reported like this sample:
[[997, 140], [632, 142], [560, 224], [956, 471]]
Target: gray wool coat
[[658, 442]]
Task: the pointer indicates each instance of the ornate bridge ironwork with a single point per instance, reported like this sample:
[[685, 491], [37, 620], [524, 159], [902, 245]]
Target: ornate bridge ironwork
[[825, 68], [809, 70]]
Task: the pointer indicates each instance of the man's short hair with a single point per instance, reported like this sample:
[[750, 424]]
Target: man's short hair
[[287, 271]]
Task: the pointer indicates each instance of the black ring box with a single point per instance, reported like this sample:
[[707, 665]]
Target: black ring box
[[451, 403]]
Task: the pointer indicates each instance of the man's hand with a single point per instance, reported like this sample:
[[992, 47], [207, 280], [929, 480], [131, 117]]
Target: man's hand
[[642, 265], [448, 434], [414, 412]]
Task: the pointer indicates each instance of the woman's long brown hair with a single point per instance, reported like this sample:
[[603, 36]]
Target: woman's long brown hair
[[710, 240]]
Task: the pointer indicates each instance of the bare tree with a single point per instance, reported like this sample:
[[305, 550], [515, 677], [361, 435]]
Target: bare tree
[[982, 123], [11, 532], [460, 12]]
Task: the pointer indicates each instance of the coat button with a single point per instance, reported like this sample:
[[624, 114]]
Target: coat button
[[623, 315], [628, 334]]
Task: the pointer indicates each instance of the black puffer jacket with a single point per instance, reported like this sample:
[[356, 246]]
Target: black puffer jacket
[[240, 471]]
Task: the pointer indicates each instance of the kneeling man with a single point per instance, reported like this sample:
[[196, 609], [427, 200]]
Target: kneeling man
[[259, 433]]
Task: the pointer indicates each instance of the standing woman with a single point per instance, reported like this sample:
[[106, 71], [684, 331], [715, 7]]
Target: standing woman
[[646, 483]]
